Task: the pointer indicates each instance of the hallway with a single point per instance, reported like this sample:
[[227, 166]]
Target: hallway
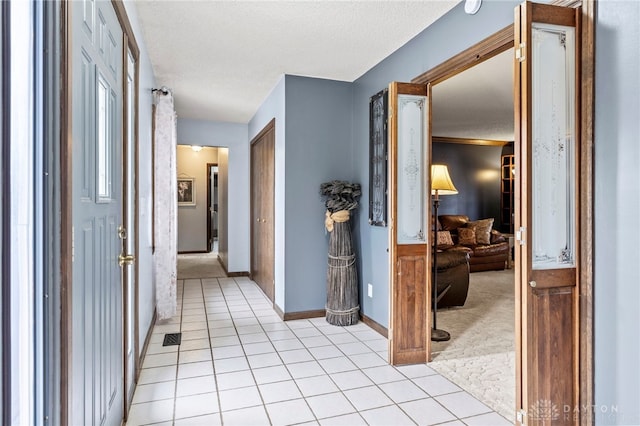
[[240, 364]]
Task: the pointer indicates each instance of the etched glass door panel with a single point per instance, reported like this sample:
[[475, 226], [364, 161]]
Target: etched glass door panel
[[411, 164], [553, 146]]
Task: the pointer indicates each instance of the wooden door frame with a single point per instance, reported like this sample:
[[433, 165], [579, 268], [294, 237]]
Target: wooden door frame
[[209, 196], [66, 199], [486, 49]]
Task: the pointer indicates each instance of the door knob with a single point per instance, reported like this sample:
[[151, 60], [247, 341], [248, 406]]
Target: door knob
[[127, 259], [122, 232]]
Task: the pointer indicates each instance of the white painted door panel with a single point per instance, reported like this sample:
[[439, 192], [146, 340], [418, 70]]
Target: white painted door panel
[[96, 371]]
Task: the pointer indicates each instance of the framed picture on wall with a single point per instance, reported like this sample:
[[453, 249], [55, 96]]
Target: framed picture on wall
[[186, 192]]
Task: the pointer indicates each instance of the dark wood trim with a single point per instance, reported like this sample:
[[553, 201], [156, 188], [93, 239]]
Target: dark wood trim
[[193, 252], [587, 202], [270, 125], [136, 295], [224, 267], [381, 329], [209, 197], [147, 341], [468, 141], [124, 138], [66, 204], [479, 52], [291, 316], [233, 274], [5, 182], [277, 309], [123, 18]]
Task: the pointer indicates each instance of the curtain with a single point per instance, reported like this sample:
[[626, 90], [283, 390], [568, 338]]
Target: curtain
[[165, 205]]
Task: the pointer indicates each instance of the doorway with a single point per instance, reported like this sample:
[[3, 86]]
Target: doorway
[[201, 222], [212, 203], [471, 136], [556, 314]]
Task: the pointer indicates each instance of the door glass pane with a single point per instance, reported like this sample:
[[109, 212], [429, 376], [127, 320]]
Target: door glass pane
[[411, 163], [553, 146], [104, 130]]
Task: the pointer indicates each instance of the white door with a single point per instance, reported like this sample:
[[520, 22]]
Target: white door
[[96, 311], [129, 243]]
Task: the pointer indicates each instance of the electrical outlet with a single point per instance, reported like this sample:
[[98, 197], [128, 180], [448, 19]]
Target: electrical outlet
[[369, 290]]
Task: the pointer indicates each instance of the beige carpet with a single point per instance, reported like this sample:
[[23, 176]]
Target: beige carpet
[[480, 357], [199, 265]]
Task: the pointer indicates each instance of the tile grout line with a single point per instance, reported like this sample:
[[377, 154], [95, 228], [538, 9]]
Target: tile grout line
[[232, 286], [213, 366], [283, 363], [175, 387]]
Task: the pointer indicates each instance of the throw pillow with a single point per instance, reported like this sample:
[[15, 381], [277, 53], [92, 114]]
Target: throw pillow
[[467, 236], [451, 222], [483, 230], [444, 239]]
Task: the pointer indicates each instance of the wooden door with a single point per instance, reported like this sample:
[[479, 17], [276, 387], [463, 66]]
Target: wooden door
[[409, 324], [547, 146], [262, 209], [96, 368]]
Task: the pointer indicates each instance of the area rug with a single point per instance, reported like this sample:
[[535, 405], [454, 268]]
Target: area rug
[[480, 357], [199, 265]]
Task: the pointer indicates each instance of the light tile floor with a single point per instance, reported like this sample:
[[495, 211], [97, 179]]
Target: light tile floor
[[240, 364]]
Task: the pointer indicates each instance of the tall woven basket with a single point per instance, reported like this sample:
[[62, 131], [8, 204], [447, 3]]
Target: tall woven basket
[[342, 278]]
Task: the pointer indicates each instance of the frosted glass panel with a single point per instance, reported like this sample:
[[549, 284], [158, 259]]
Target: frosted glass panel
[[104, 144], [411, 164], [553, 146]]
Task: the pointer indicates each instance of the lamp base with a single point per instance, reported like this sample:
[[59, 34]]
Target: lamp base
[[438, 335]]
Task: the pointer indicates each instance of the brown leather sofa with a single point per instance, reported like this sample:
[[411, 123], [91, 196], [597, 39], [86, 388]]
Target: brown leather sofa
[[482, 257], [453, 278]]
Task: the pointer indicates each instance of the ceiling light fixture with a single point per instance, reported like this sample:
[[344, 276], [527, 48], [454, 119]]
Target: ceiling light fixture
[[196, 148], [472, 7]]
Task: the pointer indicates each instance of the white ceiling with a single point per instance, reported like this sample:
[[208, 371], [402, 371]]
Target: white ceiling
[[477, 103], [222, 58]]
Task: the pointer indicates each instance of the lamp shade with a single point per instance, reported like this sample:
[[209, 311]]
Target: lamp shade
[[440, 180]]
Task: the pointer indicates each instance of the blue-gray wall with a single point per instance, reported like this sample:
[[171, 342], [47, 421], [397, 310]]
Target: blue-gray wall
[[453, 33], [273, 107], [318, 149], [617, 207], [475, 172], [313, 145]]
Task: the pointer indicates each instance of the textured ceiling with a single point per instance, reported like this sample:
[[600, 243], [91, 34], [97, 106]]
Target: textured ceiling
[[222, 58], [477, 103]]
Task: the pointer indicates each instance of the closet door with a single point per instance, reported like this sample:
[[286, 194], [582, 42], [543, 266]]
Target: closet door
[[262, 209]]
